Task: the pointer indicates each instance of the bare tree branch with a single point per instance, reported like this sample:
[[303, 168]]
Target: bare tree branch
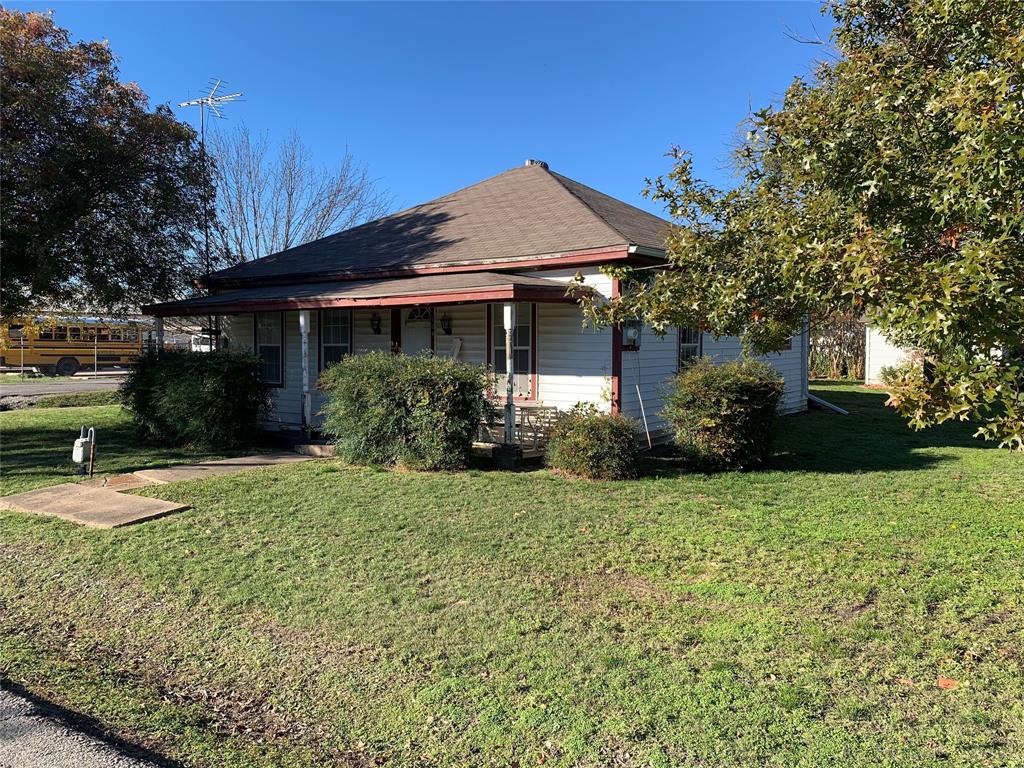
[[269, 201]]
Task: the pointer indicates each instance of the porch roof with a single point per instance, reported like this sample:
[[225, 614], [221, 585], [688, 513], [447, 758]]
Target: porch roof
[[454, 288]]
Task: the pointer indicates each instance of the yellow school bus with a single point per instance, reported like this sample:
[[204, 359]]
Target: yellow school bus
[[62, 346]]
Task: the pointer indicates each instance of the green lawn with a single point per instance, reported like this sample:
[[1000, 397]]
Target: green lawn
[[318, 614], [35, 444]]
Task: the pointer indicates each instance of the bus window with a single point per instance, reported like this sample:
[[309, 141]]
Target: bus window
[[60, 333], [131, 334], [116, 334], [103, 334], [74, 333], [46, 334]]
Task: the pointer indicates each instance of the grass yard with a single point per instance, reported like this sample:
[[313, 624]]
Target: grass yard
[[861, 604], [35, 443]]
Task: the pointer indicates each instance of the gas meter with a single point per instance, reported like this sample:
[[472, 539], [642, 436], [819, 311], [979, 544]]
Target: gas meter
[[84, 450]]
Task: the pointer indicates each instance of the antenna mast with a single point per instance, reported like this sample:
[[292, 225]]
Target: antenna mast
[[214, 103]]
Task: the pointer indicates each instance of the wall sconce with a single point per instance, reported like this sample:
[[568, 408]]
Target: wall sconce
[[446, 324], [375, 323], [632, 331]]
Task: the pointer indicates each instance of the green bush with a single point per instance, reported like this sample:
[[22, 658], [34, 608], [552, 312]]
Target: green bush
[[599, 446], [419, 411], [723, 415], [208, 399], [77, 399]]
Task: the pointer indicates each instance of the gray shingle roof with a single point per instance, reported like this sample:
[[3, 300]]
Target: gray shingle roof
[[524, 212]]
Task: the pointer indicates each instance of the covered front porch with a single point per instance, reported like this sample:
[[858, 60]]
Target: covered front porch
[[524, 328]]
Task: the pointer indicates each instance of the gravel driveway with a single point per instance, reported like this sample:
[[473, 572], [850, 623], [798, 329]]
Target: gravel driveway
[[33, 738]]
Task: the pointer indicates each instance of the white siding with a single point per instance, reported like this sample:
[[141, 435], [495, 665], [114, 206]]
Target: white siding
[[469, 323], [879, 354], [574, 363], [363, 337], [592, 276], [652, 367], [286, 401], [791, 365]]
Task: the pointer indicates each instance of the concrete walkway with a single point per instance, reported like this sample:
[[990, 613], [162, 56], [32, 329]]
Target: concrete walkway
[[35, 736], [101, 504]]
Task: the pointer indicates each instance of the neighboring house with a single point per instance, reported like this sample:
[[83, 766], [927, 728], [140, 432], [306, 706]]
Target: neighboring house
[[438, 277], [880, 353]]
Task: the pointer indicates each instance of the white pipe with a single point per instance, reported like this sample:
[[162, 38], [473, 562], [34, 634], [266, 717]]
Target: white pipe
[[304, 337], [510, 326]]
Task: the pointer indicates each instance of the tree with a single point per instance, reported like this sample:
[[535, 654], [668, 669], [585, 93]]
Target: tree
[[101, 195], [889, 183], [269, 201]]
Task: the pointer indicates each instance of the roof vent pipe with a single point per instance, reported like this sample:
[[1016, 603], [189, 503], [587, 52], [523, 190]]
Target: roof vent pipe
[[541, 163]]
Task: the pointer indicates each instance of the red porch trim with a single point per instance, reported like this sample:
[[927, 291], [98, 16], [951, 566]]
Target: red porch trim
[[616, 356]]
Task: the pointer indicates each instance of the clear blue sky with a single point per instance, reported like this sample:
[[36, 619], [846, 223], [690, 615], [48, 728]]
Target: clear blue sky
[[434, 96]]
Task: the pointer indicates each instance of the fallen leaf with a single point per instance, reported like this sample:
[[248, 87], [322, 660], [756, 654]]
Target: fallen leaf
[[946, 683]]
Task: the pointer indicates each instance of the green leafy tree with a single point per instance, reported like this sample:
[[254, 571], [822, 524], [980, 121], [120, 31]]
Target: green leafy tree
[[891, 182], [101, 195]]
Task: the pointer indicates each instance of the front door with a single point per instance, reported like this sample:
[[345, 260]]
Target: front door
[[417, 330]]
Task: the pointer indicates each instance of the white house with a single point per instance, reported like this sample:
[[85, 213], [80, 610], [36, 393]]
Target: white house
[[880, 353], [442, 278]]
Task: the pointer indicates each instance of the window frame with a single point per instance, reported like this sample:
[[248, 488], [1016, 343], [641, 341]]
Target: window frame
[[533, 397], [698, 347], [320, 336], [256, 347]]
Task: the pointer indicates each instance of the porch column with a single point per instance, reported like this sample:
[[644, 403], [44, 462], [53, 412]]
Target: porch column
[[159, 326], [304, 337], [510, 409]]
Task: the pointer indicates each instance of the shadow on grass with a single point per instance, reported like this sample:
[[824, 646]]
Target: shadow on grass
[[873, 438]]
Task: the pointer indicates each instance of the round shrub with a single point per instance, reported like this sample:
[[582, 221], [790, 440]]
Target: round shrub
[[207, 399], [418, 411], [723, 415], [588, 443]]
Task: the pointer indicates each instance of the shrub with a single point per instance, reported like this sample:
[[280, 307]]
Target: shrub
[[208, 399], [599, 446], [723, 415], [420, 411], [77, 400]]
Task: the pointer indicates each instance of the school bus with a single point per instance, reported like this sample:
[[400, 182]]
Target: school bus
[[62, 346]]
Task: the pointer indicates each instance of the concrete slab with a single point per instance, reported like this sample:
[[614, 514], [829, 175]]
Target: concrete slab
[[218, 467], [118, 482], [89, 505]]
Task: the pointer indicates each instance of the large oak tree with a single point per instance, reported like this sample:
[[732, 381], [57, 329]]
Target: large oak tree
[[102, 196], [890, 182]]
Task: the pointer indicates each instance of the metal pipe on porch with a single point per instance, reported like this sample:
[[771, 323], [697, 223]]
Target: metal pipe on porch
[[304, 338], [510, 409]]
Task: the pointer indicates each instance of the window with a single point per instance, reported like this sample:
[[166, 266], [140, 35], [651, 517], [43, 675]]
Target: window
[[270, 347], [74, 333], [690, 346], [335, 335], [522, 348]]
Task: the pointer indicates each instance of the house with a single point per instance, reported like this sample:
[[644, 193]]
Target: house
[[446, 276], [880, 353]]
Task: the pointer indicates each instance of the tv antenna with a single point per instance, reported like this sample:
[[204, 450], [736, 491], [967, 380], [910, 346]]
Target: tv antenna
[[215, 103]]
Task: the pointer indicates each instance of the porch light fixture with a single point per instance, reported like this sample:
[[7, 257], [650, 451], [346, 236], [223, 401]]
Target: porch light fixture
[[375, 323], [632, 330], [446, 324]]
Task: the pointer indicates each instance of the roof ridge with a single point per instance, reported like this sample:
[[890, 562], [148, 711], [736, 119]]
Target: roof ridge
[[562, 179], [558, 178]]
